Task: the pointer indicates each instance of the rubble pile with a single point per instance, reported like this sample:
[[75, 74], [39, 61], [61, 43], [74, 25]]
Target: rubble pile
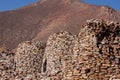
[[93, 54]]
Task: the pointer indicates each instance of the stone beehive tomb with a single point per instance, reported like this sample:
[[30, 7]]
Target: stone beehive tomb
[[97, 51], [93, 54], [28, 60]]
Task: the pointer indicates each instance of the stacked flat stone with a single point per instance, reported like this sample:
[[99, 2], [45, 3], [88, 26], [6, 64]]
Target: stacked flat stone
[[97, 51], [28, 60], [94, 54], [7, 65], [58, 56]]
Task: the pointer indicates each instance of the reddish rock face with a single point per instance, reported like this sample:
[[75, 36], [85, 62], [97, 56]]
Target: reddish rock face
[[38, 20]]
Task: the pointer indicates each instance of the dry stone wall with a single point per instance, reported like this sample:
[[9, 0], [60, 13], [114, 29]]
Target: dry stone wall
[[58, 56], [28, 60], [93, 54], [97, 51]]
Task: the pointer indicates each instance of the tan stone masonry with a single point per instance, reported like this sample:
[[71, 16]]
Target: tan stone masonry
[[93, 54]]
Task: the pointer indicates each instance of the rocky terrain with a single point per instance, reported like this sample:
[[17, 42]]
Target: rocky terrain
[[45, 17], [93, 54], [60, 40]]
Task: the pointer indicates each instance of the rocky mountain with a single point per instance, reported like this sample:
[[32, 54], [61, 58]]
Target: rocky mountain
[[93, 54], [38, 20]]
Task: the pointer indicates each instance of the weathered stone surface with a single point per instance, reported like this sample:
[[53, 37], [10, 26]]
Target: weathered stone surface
[[97, 48], [6, 65], [28, 59], [58, 56], [93, 54]]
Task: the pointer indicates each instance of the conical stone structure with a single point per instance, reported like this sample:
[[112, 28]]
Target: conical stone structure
[[28, 60], [96, 51], [57, 63]]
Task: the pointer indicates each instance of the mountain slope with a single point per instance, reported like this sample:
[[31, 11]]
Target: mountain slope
[[38, 20]]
